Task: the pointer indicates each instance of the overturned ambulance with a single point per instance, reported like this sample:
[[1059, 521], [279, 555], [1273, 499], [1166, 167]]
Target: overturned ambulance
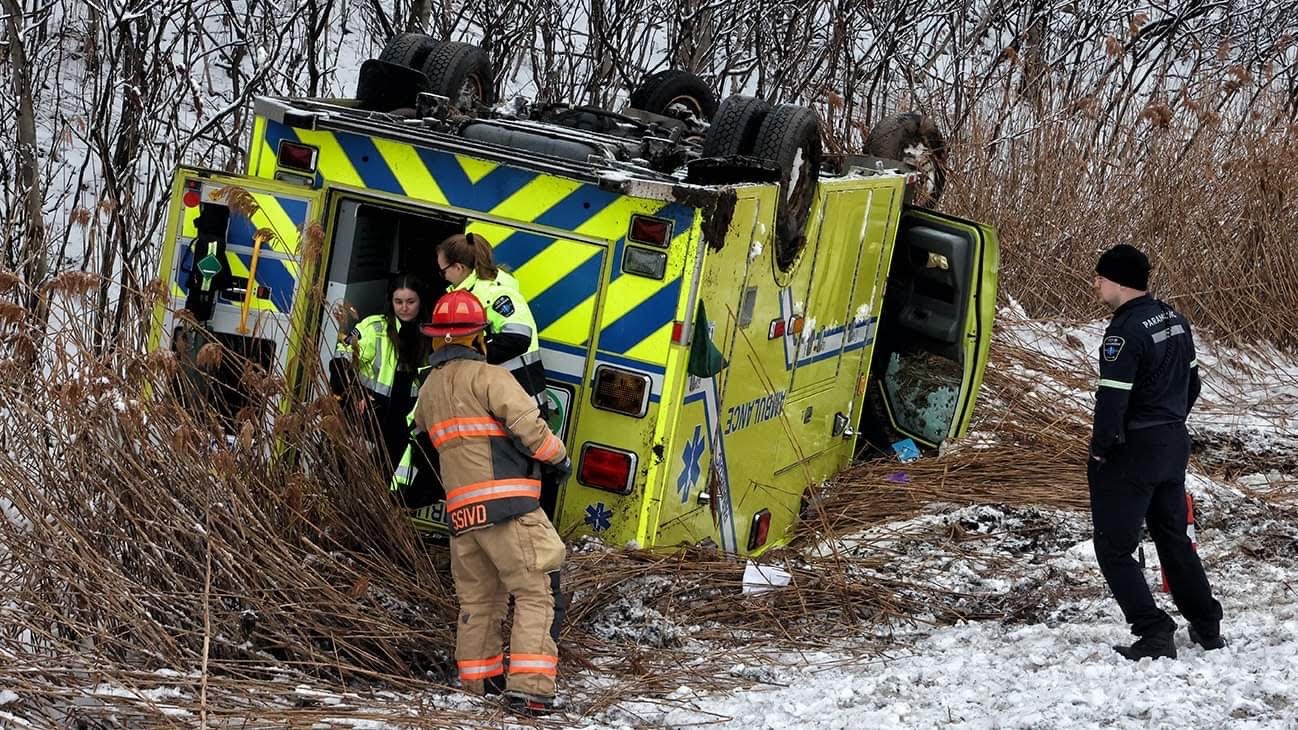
[[727, 316]]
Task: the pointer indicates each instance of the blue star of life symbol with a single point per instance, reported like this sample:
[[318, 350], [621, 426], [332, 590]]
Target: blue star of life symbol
[[598, 517], [692, 454]]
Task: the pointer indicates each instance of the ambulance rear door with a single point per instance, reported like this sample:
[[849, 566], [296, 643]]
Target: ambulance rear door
[[936, 325], [239, 259]]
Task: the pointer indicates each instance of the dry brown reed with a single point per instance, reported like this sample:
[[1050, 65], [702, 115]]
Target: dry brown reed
[[150, 541], [1208, 187]]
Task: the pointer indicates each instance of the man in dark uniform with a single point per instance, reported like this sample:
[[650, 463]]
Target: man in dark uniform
[[1149, 380]]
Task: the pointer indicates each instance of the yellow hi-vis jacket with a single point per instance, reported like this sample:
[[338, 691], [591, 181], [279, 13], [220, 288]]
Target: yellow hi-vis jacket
[[376, 356], [512, 341]]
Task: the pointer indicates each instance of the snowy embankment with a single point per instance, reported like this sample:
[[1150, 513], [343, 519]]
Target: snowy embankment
[[1033, 650], [1057, 669]]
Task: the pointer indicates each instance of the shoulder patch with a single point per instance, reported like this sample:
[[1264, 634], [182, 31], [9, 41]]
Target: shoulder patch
[[503, 305], [1112, 347]]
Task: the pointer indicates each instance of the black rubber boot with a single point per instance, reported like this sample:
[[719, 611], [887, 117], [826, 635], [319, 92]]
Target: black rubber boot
[[528, 705], [1154, 646], [1208, 640]]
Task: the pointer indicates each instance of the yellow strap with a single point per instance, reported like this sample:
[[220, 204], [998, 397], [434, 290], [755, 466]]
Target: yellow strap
[[261, 236]]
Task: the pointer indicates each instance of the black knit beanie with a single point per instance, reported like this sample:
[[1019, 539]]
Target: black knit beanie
[[1124, 265]]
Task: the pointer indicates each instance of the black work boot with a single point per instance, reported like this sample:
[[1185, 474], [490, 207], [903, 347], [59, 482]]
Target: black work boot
[[1152, 646], [1209, 640], [493, 685], [528, 705]]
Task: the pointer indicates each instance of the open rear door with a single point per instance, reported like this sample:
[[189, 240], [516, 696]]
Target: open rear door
[[238, 268], [936, 326]]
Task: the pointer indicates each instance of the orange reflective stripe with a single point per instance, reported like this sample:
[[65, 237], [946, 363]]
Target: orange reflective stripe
[[533, 664], [453, 428], [481, 668], [548, 449], [495, 489]]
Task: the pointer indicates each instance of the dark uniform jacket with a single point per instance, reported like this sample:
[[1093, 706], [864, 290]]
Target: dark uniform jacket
[[1148, 372], [489, 437]]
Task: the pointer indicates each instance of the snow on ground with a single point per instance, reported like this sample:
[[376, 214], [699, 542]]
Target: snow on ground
[[1058, 669], [1049, 665], [1057, 672]]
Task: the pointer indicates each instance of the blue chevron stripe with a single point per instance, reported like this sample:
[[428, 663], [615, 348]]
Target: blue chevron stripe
[[644, 319], [519, 247], [369, 164], [294, 208], [561, 297], [272, 274], [577, 207], [462, 192]]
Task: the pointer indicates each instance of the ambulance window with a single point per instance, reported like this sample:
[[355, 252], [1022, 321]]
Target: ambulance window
[[923, 390], [220, 382]]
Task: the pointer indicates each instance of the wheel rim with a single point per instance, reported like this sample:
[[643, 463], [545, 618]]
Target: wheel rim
[[684, 103], [922, 159], [470, 94]]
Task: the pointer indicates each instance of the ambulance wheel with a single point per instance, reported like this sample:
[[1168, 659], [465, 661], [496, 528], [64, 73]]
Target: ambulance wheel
[[790, 138], [675, 93], [914, 140], [407, 49], [461, 72], [734, 128]]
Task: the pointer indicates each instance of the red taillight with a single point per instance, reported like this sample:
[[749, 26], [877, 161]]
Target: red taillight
[[776, 330], [295, 156], [760, 530], [653, 231], [678, 333], [604, 468]]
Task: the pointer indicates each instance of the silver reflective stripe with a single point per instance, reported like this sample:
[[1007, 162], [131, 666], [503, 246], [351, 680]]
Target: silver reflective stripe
[[403, 476], [480, 494], [522, 361], [516, 328], [1115, 384], [1194, 363], [532, 665], [482, 671], [376, 366], [1172, 331], [376, 386]]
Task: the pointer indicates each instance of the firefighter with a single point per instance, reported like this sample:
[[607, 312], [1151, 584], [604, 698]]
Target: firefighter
[[467, 263], [1149, 380], [491, 441], [382, 355]]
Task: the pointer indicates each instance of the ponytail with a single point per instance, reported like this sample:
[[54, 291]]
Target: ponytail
[[471, 250]]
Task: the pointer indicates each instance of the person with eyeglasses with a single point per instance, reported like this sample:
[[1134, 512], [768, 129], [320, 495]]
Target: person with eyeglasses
[[467, 264]]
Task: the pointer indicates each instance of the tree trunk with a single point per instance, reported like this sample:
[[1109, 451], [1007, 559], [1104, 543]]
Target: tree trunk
[[29, 254]]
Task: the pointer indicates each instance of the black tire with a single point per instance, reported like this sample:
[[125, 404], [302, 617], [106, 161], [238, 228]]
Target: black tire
[[461, 72], [407, 49], [662, 91], [790, 138], [734, 128], [914, 140]]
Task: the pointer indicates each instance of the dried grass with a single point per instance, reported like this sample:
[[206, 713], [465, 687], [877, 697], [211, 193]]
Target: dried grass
[[140, 539]]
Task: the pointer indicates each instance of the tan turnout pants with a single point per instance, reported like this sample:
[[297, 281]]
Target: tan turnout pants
[[515, 557]]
